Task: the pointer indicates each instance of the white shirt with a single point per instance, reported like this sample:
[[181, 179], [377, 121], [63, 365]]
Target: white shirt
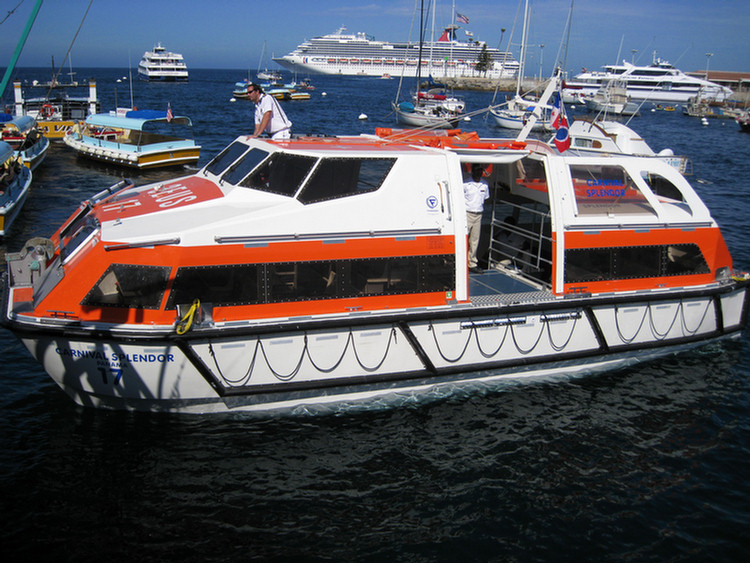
[[475, 194], [278, 121]]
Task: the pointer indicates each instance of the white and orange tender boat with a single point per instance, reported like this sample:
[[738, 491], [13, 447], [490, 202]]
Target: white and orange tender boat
[[333, 270]]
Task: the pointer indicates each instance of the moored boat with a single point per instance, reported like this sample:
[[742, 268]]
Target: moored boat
[[602, 137], [423, 114], [657, 82], [22, 134], [59, 109], [325, 270], [15, 180], [517, 111], [611, 99], [136, 139]]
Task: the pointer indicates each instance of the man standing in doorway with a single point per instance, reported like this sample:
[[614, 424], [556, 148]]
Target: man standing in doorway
[[476, 192], [269, 117]]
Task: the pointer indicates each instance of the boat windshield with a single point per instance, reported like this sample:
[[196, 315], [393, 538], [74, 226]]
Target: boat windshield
[[342, 177], [281, 173], [240, 169], [225, 158]]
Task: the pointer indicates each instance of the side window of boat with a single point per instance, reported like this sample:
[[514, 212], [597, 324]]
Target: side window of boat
[[607, 190], [664, 189], [244, 166], [281, 173], [231, 284], [128, 285], [225, 158], [342, 177], [631, 262]]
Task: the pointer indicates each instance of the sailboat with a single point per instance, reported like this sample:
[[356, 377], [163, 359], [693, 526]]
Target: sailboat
[[433, 108], [514, 114], [265, 74]]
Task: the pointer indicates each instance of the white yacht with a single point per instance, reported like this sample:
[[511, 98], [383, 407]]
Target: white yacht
[[658, 82], [162, 65], [361, 55]]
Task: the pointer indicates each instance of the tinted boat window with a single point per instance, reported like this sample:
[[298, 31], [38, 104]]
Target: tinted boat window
[[665, 190], [226, 157], [77, 234], [244, 166], [631, 262], [232, 284], [128, 285], [342, 177], [281, 173]]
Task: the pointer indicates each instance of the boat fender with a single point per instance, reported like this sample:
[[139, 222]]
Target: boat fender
[[187, 320], [47, 110]]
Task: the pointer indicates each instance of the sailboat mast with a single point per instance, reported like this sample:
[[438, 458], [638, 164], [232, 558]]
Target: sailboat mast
[[421, 40], [432, 38], [521, 69]]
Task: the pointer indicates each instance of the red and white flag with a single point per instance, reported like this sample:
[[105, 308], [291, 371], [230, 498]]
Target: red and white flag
[[169, 112]]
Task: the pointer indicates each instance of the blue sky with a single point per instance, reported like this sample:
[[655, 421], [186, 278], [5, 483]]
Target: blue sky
[[231, 34]]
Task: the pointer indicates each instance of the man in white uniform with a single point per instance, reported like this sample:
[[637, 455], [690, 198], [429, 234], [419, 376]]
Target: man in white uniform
[[475, 192], [269, 117]]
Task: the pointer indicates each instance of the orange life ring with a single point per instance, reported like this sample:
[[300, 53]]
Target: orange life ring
[[47, 110]]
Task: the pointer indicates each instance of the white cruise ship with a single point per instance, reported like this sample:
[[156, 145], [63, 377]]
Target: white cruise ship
[[658, 82], [162, 65], [360, 55]]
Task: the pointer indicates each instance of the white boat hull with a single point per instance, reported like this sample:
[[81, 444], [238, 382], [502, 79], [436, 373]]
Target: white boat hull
[[260, 369], [135, 157], [517, 120], [416, 119]]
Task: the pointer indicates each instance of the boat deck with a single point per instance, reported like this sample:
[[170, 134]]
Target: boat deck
[[503, 287]]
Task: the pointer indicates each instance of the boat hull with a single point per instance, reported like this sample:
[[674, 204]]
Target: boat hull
[[425, 119], [613, 108], [10, 208], [56, 129], [517, 120], [298, 365], [139, 159]]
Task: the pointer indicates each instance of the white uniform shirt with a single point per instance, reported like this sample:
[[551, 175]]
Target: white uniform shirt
[[278, 121], [475, 194]]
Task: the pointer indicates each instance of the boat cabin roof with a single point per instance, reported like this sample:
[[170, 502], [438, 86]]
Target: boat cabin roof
[[6, 152], [135, 119], [23, 123]]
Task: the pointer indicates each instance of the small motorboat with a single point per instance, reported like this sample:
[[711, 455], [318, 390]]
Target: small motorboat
[[136, 139], [27, 141], [15, 180], [316, 272]]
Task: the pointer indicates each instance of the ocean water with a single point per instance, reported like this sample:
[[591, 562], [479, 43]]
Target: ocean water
[[645, 464]]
